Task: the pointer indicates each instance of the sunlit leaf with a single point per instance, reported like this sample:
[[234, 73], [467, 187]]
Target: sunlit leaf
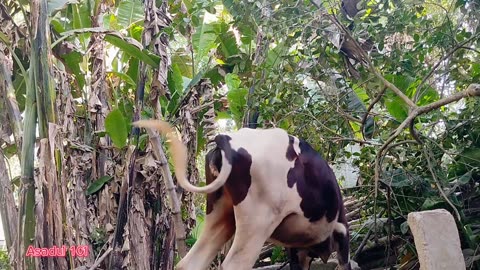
[[130, 47], [204, 40], [81, 19], [129, 12]]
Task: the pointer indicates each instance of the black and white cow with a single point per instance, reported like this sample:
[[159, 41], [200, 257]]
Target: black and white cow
[[264, 185]]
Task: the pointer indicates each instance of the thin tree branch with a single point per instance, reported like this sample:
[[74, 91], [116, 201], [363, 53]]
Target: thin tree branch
[[180, 234], [471, 49], [430, 73], [472, 90], [370, 65], [339, 139], [437, 183], [367, 236], [348, 116], [392, 87], [101, 259], [370, 107]]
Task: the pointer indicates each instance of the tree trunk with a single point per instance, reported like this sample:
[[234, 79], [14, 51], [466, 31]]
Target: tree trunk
[[48, 202], [189, 126]]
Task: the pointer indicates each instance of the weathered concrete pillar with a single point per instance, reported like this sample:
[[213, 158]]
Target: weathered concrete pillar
[[436, 240]]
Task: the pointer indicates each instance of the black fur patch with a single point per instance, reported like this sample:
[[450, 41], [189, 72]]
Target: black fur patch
[[316, 184]]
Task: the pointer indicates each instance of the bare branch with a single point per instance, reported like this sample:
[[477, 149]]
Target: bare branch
[[471, 91], [370, 107], [392, 87], [348, 116]]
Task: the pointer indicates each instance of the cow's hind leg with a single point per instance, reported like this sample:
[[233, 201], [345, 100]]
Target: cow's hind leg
[[218, 229], [299, 259], [342, 247], [294, 259], [254, 224]]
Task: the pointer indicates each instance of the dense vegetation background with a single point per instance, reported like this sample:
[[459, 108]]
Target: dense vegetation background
[[394, 78]]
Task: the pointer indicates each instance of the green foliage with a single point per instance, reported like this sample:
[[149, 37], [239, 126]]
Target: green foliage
[[116, 127], [99, 238], [98, 184], [73, 61], [204, 39], [129, 12], [396, 107], [236, 97], [195, 233], [296, 76], [81, 19], [124, 77], [175, 79], [4, 261], [10, 150], [129, 46], [56, 5], [278, 255]]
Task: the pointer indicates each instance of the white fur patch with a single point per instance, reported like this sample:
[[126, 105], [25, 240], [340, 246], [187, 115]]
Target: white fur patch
[[340, 228]]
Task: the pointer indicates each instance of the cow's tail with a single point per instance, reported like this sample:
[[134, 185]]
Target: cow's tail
[[179, 156]]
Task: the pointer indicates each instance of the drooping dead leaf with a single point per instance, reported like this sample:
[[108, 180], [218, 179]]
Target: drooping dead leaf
[[156, 20]]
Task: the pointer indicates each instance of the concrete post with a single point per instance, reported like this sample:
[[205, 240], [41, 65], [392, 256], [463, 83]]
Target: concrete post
[[436, 240]]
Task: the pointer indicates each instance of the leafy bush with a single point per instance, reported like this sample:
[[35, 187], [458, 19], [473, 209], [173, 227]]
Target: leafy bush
[[4, 261]]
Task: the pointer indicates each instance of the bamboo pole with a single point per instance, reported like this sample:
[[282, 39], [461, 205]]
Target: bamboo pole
[[26, 230], [43, 82], [39, 99]]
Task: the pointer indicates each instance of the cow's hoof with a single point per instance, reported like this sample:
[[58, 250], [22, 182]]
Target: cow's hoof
[[354, 265]]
